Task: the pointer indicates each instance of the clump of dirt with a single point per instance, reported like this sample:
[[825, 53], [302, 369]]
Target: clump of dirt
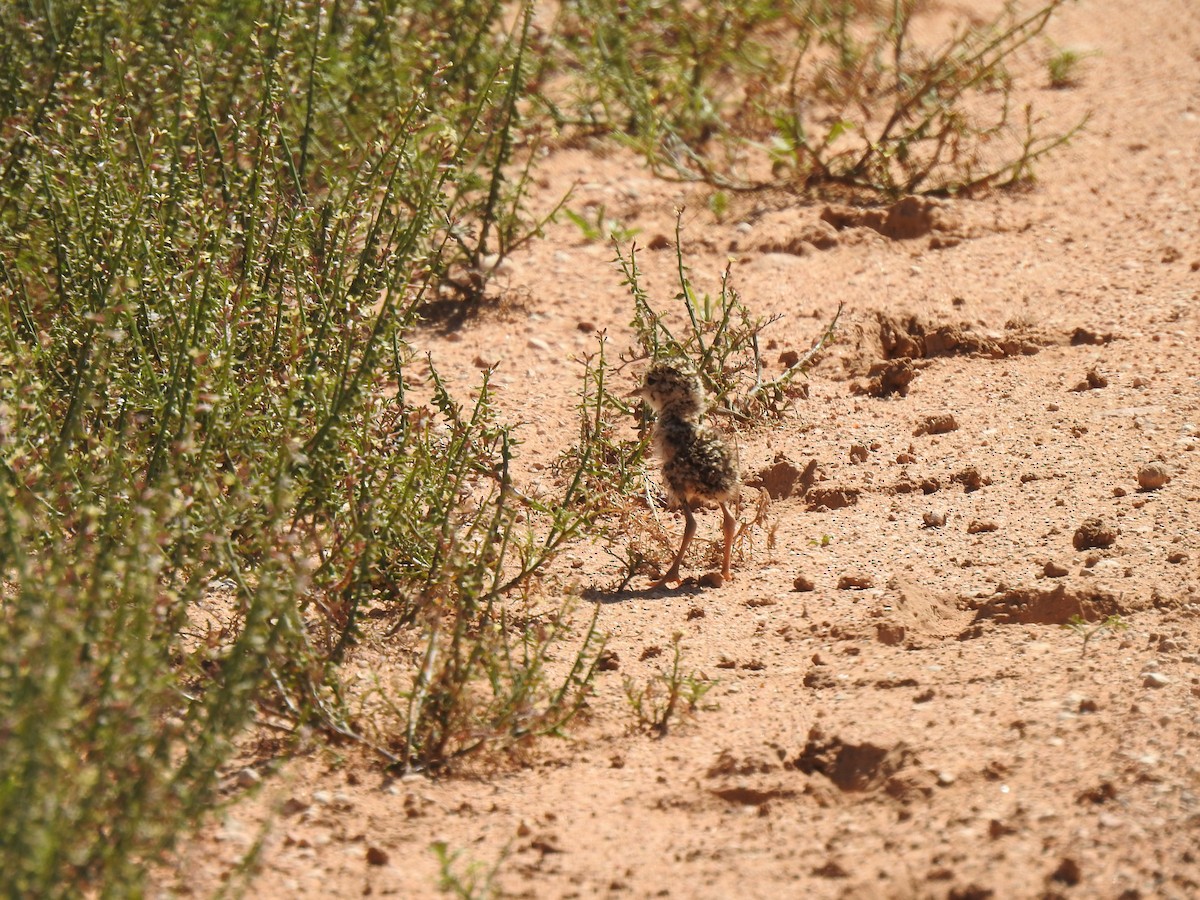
[[909, 337], [942, 423], [1093, 381], [887, 378], [853, 767], [783, 478], [898, 346], [830, 497], [906, 219], [908, 610], [1094, 533], [1053, 606], [1153, 476], [781, 233]]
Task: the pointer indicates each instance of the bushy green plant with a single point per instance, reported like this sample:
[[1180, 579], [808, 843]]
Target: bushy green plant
[[218, 224], [821, 91]]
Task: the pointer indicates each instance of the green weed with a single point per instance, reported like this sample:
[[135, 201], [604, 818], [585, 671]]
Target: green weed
[[471, 880], [598, 227], [1086, 630], [1062, 67], [668, 695]]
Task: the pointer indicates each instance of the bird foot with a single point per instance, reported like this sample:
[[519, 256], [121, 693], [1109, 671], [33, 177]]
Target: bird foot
[[665, 581]]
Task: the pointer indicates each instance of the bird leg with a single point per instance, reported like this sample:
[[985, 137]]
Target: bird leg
[[727, 526], [689, 529]]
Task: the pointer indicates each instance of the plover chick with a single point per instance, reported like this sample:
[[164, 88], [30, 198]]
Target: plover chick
[[698, 464]]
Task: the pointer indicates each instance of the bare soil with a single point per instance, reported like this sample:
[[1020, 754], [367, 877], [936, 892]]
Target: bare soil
[[961, 480]]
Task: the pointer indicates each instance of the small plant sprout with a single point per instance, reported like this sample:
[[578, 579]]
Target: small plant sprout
[[1088, 630], [1063, 67], [597, 226], [669, 694], [466, 879]]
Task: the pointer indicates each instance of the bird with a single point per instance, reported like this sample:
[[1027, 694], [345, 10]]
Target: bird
[[698, 464]]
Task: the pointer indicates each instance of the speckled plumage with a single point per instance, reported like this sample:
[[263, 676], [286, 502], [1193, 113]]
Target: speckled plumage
[[698, 463]]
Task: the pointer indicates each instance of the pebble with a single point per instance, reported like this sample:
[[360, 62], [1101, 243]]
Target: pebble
[[1155, 680], [979, 526], [1094, 533], [934, 518], [1055, 570], [855, 582], [537, 343], [376, 856], [1153, 476], [803, 583]]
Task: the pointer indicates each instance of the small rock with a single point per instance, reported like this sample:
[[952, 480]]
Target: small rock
[[1153, 476], [1068, 872], [803, 583], [889, 633], [979, 526], [586, 326], [608, 661], [292, 806], [1082, 336], [1054, 570], [1093, 381], [1155, 680], [1094, 533], [659, 242], [248, 778], [1176, 557], [998, 829], [858, 453], [945, 779], [711, 580], [970, 479], [536, 343], [789, 358], [943, 423], [855, 582], [376, 856], [934, 518]]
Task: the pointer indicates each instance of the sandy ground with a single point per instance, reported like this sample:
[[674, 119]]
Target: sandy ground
[[932, 730]]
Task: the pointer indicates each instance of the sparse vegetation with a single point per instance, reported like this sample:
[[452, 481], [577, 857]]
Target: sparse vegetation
[[223, 468], [821, 92]]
